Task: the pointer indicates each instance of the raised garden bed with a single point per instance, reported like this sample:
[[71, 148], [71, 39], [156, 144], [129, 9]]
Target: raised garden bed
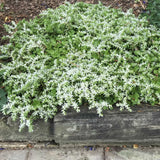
[[66, 58]]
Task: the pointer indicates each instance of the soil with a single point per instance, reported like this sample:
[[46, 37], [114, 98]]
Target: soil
[[16, 10]]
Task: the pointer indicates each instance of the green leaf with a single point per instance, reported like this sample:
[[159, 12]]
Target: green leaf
[[36, 103]]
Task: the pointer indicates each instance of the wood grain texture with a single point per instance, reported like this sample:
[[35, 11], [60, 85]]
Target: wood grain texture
[[141, 126]]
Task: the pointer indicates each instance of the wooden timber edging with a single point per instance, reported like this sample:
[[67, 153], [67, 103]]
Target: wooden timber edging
[[141, 126]]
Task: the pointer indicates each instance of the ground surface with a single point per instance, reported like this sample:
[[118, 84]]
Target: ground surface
[[82, 153], [16, 10]]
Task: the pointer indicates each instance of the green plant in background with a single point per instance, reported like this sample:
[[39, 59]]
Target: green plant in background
[[137, 1], [3, 98], [1, 7], [152, 12], [3, 94], [80, 53]]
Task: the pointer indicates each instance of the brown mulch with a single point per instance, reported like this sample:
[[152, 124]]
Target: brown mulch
[[16, 10]]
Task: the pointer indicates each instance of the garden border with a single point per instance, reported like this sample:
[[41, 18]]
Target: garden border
[[141, 126]]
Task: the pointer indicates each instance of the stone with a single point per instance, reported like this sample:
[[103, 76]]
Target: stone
[[134, 154], [66, 154], [82, 153], [14, 154], [141, 126], [9, 131]]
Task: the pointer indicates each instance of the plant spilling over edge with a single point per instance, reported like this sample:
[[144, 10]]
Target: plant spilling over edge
[[80, 53]]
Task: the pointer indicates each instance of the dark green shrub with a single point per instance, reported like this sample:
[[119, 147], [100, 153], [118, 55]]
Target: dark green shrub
[[152, 12]]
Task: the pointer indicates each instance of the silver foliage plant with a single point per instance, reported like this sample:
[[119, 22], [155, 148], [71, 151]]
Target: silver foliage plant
[[112, 59]]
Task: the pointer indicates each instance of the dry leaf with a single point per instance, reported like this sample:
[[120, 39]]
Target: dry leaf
[[135, 146], [7, 19], [136, 5], [142, 5], [30, 145], [124, 146], [107, 149]]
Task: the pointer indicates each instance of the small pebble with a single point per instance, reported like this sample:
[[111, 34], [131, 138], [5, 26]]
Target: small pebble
[[7, 8], [1, 149]]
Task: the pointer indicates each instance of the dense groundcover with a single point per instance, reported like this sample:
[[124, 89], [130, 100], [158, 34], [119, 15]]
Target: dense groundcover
[[80, 54]]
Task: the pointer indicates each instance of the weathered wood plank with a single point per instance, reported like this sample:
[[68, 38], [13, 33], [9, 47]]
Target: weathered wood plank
[[115, 127]]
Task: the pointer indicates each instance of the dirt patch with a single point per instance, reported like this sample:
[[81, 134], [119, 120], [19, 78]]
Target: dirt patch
[[17, 10]]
